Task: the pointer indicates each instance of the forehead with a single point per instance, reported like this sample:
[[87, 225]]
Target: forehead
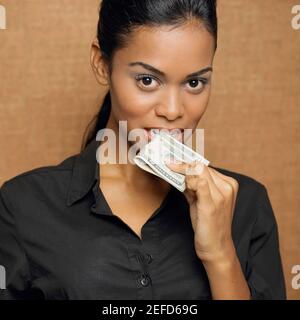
[[186, 47]]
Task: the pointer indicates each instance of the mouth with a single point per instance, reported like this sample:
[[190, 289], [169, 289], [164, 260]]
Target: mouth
[[176, 133]]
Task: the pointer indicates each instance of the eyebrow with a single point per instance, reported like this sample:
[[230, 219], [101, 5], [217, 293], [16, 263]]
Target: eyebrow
[[151, 68]]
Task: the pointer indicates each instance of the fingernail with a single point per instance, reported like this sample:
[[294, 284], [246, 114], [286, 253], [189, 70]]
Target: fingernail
[[197, 170]]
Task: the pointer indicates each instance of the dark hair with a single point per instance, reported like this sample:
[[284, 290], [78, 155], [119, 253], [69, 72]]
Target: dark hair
[[118, 18]]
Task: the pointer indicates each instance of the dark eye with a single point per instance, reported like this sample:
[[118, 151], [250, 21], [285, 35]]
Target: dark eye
[[198, 84], [145, 81]]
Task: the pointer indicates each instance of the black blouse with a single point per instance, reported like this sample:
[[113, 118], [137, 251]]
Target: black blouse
[[60, 240]]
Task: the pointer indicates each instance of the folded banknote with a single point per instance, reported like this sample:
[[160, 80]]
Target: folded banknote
[[164, 147]]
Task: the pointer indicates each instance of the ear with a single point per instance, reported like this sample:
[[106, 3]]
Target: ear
[[98, 64]]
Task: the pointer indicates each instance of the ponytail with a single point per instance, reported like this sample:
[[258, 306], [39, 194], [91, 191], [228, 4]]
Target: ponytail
[[101, 121]]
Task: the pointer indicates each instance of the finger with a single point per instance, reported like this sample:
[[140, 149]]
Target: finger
[[190, 195], [200, 187], [204, 194], [178, 167], [230, 180], [220, 181], [230, 185], [216, 193], [195, 170]]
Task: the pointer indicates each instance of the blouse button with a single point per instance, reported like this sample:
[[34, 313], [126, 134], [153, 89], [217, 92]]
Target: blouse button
[[145, 280], [149, 257]]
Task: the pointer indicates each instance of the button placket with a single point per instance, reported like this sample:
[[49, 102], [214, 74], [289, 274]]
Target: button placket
[[142, 254]]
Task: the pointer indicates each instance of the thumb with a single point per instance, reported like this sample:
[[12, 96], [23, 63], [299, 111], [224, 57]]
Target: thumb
[[190, 196]]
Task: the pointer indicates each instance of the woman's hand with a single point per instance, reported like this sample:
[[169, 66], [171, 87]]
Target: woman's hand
[[211, 197]]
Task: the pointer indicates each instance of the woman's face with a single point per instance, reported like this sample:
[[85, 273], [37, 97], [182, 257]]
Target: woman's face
[[151, 84]]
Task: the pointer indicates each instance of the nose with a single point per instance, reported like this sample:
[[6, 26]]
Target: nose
[[171, 106]]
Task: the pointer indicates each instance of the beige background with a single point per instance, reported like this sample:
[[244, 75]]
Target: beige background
[[48, 95]]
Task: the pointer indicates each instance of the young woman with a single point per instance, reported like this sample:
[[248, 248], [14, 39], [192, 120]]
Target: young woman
[[86, 230]]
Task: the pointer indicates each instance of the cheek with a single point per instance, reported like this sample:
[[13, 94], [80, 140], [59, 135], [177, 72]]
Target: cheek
[[195, 107], [129, 102]]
